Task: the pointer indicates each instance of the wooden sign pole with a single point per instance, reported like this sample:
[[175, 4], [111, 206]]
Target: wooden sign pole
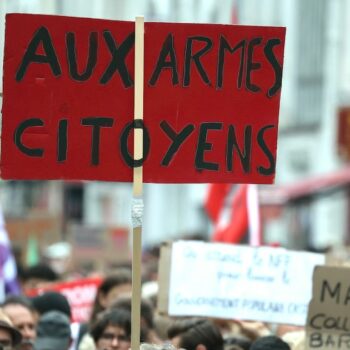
[[137, 209]]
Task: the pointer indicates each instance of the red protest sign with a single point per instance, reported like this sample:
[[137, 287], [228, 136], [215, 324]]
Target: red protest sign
[[79, 293], [211, 101]]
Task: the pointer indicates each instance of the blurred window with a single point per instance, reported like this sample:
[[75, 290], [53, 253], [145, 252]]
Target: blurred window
[[311, 18]]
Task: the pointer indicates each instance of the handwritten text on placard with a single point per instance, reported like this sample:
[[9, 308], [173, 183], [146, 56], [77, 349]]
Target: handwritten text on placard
[[211, 100], [328, 320], [229, 281]]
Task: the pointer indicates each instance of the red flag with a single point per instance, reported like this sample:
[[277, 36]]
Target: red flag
[[234, 211], [215, 199]]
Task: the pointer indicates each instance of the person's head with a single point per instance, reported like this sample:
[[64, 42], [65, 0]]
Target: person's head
[[147, 322], [270, 342], [112, 330], [51, 301], [195, 334], [238, 341], [146, 310], [22, 315], [10, 337], [58, 256], [54, 332], [111, 288], [37, 275]]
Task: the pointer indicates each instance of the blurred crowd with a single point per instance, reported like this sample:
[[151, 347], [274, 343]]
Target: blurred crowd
[[44, 321]]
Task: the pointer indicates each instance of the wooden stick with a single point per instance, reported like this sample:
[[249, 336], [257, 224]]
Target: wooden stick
[[137, 186]]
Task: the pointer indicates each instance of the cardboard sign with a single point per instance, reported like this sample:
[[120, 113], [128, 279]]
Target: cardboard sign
[[241, 282], [328, 320], [80, 294], [211, 101]]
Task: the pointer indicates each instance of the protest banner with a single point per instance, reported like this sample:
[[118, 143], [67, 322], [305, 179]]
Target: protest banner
[[240, 282], [328, 320], [212, 95], [80, 294]]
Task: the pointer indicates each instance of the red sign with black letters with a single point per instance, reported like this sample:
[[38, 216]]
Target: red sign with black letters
[[211, 101], [80, 294]]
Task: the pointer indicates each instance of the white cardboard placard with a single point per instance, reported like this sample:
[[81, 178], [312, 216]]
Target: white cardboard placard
[[241, 282]]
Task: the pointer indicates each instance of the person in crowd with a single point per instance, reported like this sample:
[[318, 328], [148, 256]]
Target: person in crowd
[[51, 301], [150, 261], [237, 341], [10, 337], [295, 339], [195, 334], [112, 331], [59, 256], [53, 331], [37, 275], [22, 315], [239, 329], [112, 287], [270, 342], [55, 301], [146, 317], [234, 347], [162, 322]]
